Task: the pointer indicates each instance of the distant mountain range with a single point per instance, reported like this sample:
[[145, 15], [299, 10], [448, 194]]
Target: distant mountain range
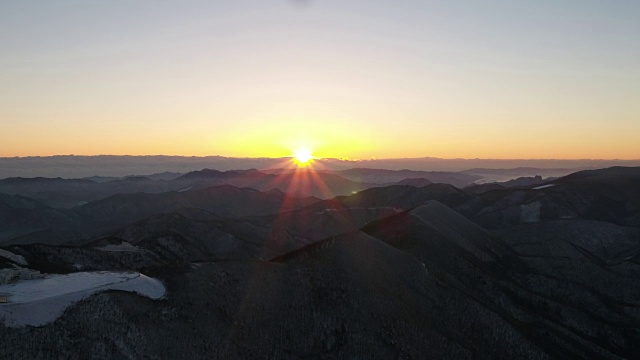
[[68, 193], [70, 166]]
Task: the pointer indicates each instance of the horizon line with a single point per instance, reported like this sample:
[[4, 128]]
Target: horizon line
[[319, 158]]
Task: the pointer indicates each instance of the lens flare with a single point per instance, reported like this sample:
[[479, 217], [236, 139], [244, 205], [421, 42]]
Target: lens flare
[[302, 156]]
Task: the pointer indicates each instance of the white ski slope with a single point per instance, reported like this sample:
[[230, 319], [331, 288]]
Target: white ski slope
[[41, 301]]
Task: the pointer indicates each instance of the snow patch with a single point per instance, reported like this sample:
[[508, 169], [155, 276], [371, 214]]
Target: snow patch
[[42, 301], [18, 259], [544, 186], [185, 189]]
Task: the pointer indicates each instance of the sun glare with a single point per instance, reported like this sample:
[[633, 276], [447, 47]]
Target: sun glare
[[302, 156]]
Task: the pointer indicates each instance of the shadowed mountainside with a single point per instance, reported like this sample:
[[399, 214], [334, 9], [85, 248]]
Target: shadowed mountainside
[[34, 222], [382, 176], [546, 271], [69, 193]]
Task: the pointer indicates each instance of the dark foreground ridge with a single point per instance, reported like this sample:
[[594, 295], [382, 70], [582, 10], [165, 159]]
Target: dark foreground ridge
[[527, 270]]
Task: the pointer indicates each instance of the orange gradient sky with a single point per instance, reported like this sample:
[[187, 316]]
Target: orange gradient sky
[[346, 79]]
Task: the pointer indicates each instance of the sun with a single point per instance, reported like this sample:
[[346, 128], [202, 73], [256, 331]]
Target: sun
[[302, 156]]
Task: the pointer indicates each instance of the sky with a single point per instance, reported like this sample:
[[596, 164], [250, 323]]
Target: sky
[[355, 79]]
